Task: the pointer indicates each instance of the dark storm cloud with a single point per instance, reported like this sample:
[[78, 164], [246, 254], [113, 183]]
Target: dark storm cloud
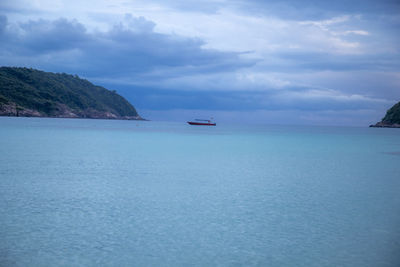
[[132, 47], [299, 98], [42, 36]]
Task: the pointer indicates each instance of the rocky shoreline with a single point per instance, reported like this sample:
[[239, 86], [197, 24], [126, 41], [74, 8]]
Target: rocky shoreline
[[385, 125], [63, 111]]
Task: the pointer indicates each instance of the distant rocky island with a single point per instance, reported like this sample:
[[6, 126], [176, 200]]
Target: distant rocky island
[[391, 119], [28, 92]]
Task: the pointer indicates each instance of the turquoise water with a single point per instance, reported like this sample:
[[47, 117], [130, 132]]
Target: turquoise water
[[125, 193]]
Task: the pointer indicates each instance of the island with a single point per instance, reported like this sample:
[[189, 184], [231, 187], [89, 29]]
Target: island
[[29, 92], [391, 119]]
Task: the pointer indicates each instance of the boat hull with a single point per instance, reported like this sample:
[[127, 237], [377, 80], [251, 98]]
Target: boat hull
[[201, 123]]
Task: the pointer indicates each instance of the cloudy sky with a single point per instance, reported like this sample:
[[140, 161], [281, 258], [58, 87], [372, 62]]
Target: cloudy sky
[[272, 62]]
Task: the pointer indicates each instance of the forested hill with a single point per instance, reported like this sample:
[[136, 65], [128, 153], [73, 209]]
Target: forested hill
[[35, 93], [391, 119]]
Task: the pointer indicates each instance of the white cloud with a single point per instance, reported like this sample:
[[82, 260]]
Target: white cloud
[[357, 32], [326, 93], [324, 24]]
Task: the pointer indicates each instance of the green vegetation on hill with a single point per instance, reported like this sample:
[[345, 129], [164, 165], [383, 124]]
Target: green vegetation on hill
[[29, 92], [391, 119], [393, 115]]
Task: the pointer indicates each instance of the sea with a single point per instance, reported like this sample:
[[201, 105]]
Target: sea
[[79, 192]]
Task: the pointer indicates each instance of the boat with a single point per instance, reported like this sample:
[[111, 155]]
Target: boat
[[202, 122]]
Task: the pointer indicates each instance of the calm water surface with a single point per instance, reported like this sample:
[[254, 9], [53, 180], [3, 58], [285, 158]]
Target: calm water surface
[[124, 193]]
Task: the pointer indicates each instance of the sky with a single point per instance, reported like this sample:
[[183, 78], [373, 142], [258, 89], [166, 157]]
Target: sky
[[270, 62]]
